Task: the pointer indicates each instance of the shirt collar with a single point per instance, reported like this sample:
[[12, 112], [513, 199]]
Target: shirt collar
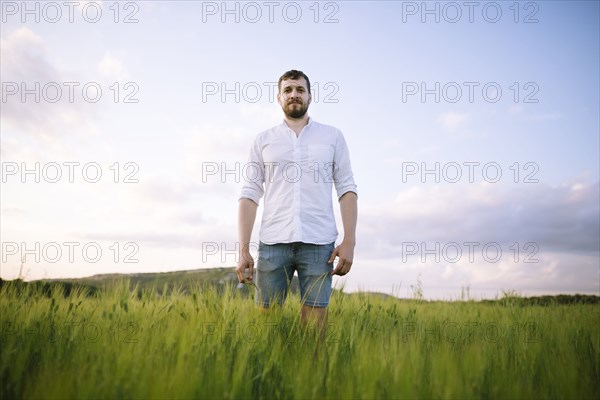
[[285, 125]]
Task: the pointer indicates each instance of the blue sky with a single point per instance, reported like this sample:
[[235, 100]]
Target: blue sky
[[365, 65]]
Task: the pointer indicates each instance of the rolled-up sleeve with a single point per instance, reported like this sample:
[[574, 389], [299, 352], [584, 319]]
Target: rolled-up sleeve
[[343, 178], [254, 177]]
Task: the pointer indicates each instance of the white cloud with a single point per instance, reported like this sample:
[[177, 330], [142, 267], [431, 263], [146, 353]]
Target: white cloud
[[26, 62], [112, 68], [516, 109], [231, 137], [555, 229], [452, 121], [558, 218]]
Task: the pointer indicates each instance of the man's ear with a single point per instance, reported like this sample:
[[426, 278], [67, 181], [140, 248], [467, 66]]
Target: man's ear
[[309, 98], [279, 98]]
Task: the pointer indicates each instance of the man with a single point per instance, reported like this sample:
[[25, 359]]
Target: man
[[296, 164]]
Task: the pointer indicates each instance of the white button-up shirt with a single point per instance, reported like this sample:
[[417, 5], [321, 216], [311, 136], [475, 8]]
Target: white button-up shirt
[[296, 174]]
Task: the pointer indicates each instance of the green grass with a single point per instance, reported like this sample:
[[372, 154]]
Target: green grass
[[209, 343]]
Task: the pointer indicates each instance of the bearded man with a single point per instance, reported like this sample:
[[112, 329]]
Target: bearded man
[[298, 163]]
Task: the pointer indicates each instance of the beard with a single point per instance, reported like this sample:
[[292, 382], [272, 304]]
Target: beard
[[291, 110]]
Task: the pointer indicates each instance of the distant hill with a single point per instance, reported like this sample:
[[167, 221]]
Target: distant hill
[[48, 287], [159, 281], [162, 281], [182, 281]]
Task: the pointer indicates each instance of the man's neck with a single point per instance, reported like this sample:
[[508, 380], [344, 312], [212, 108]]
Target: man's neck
[[296, 124]]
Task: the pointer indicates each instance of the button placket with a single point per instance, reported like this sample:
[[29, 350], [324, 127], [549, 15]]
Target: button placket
[[297, 192]]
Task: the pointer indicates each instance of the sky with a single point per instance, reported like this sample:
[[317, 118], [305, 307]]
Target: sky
[[473, 130]]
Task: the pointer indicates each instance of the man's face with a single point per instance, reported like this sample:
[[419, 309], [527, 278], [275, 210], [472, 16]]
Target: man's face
[[294, 98]]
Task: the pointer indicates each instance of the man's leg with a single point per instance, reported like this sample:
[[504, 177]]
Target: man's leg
[[273, 272], [314, 274], [314, 317]]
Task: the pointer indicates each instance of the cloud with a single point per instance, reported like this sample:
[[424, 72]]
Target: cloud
[[163, 238], [562, 218], [553, 273], [182, 202], [452, 121], [229, 138], [13, 211], [26, 61], [111, 68], [216, 152], [549, 237], [516, 109]]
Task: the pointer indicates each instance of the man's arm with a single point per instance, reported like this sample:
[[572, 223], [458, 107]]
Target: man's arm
[[246, 216], [345, 251]]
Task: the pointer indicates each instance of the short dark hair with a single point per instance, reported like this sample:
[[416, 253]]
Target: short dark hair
[[293, 74]]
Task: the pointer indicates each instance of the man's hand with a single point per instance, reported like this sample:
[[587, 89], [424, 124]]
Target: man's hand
[[246, 263], [345, 254]]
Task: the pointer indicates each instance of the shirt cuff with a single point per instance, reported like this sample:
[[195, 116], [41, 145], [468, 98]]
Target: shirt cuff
[[254, 199], [342, 192]]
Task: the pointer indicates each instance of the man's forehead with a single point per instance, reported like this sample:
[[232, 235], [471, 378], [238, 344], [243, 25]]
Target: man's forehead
[[294, 83]]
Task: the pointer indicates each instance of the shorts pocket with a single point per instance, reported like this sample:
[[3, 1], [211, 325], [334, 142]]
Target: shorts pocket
[[266, 257]]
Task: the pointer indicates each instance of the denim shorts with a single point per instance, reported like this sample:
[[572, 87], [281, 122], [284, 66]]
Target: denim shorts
[[276, 265]]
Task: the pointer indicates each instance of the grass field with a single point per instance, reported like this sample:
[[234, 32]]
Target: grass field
[[208, 343]]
